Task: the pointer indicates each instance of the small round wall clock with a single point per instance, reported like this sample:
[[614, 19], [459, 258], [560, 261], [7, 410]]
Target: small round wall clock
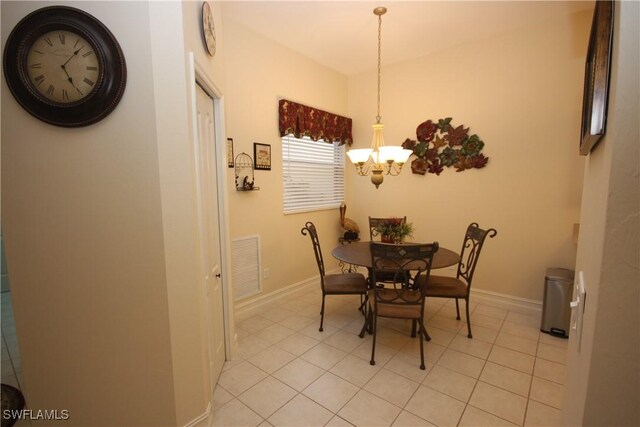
[[64, 67], [208, 29]]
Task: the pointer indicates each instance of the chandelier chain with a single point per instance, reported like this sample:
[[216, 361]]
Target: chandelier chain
[[378, 117]]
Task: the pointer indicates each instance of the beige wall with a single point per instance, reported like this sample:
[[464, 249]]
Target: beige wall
[[603, 386], [100, 233], [171, 20], [258, 73], [521, 93], [83, 234]]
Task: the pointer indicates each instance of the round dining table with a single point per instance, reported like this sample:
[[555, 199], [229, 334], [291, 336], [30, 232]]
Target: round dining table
[[359, 253]]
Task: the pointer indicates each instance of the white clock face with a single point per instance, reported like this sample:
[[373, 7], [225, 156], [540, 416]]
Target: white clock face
[[63, 66], [208, 27]]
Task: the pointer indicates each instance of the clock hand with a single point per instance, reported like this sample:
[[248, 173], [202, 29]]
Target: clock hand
[[68, 76], [73, 56], [64, 68]]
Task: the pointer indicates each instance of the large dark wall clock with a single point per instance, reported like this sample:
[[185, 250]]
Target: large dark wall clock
[[64, 67]]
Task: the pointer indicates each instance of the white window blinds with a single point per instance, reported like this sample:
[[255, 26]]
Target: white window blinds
[[313, 174]]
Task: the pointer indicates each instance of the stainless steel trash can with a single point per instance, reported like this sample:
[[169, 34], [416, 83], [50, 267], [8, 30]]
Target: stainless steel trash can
[[556, 311]]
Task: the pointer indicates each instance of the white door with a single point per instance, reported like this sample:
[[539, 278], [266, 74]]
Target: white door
[[205, 152]]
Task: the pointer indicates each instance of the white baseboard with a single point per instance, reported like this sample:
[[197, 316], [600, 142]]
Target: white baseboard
[[244, 310], [507, 301], [204, 420]]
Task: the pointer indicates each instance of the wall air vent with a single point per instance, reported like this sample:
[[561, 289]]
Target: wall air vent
[[245, 255]]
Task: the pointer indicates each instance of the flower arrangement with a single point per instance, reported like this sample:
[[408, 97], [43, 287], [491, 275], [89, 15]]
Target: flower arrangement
[[442, 144], [394, 230]]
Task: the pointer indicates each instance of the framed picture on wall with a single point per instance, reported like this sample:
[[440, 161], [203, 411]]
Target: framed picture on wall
[[262, 156], [596, 77], [230, 152]]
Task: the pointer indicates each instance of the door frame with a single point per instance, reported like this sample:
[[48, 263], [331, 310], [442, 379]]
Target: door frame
[[198, 75]]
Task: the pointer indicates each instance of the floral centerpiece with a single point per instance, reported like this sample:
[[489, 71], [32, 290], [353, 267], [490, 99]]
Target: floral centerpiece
[[394, 230]]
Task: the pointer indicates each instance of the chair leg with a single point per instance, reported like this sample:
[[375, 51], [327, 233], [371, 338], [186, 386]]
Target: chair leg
[[423, 331], [363, 305], [373, 346], [414, 323], [468, 318], [322, 313], [367, 319], [457, 310]]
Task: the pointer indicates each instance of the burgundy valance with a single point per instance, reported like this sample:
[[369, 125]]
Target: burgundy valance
[[301, 120]]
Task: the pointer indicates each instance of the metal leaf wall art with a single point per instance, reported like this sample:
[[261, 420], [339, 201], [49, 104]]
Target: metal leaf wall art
[[441, 145]]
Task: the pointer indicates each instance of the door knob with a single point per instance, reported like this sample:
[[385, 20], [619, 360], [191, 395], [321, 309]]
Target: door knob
[[219, 275]]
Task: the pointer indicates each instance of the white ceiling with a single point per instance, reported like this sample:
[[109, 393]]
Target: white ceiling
[[343, 34]]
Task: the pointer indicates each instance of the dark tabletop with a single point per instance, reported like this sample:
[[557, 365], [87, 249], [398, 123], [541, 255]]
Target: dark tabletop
[[359, 253]]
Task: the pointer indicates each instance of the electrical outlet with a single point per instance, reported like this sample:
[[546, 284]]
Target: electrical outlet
[[266, 273]]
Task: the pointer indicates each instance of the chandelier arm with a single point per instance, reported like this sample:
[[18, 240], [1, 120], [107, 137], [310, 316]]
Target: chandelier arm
[[394, 169], [364, 169]]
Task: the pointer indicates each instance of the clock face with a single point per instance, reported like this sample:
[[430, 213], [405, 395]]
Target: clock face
[[208, 29], [62, 66]]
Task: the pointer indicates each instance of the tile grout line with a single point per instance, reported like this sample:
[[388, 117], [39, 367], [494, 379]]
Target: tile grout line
[[477, 380], [535, 361]]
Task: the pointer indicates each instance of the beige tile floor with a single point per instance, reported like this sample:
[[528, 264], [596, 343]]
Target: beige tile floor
[[290, 374]]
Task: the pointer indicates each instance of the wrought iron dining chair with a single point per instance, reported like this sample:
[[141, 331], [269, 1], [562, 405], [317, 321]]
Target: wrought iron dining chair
[[402, 300], [459, 287], [335, 284], [374, 235]]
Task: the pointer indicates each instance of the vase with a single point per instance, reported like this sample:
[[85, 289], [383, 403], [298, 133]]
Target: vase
[[386, 238]]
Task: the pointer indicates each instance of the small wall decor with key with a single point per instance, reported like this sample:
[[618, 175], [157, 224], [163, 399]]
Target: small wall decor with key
[[230, 162]]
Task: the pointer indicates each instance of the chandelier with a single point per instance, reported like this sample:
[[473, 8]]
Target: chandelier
[[380, 159]]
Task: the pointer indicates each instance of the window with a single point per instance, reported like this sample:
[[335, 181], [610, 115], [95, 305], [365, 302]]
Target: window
[[313, 174]]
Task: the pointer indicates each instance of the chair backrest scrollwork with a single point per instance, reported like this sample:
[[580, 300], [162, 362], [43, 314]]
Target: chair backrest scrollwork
[[399, 259], [310, 229], [471, 247]]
